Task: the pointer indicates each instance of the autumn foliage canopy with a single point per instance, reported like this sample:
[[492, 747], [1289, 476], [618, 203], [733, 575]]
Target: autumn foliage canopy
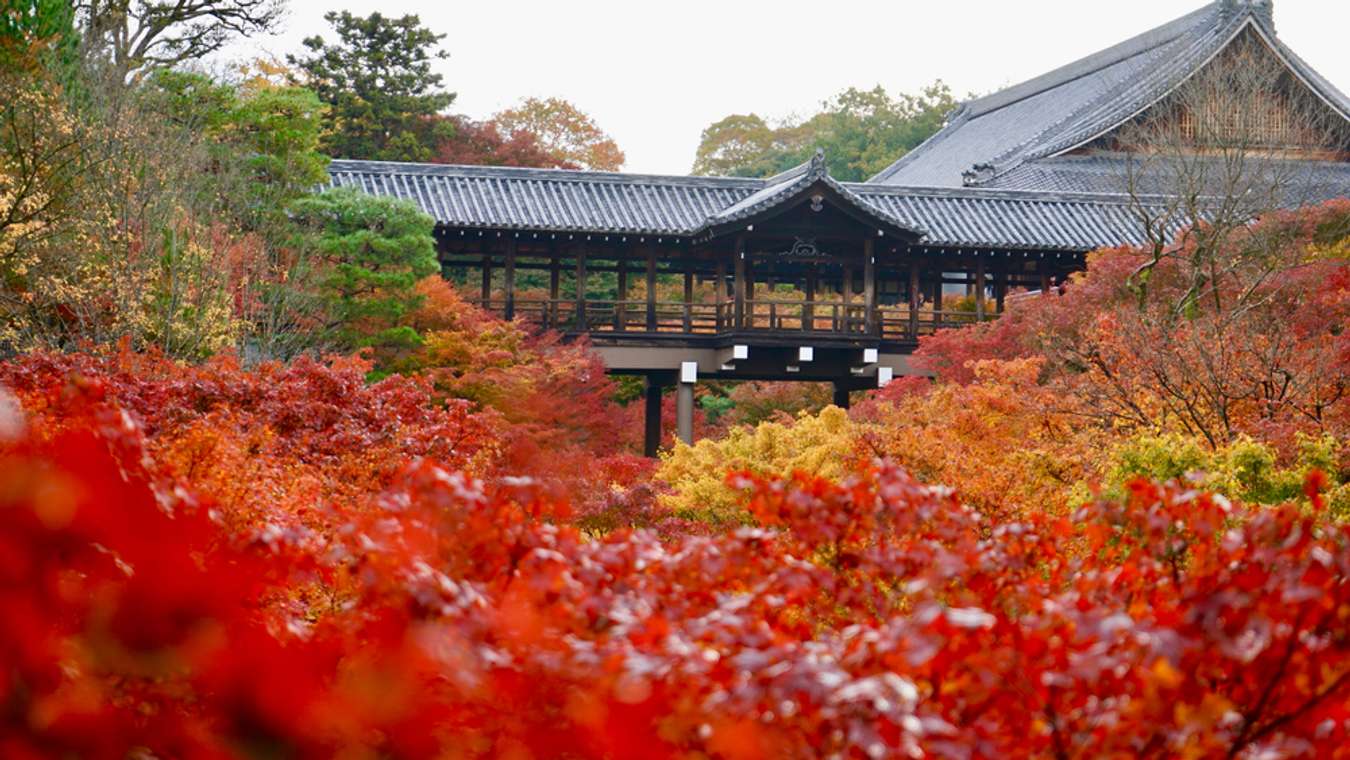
[[873, 616]]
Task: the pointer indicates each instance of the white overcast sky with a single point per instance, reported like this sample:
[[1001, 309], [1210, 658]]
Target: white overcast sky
[[654, 75]]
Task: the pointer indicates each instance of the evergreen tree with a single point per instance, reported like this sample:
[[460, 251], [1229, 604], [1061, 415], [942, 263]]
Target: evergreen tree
[[39, 31], [378, 84], [373, 251]]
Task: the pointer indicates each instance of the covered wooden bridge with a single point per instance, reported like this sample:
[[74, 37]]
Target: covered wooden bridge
[[800, 276], [797, 277]]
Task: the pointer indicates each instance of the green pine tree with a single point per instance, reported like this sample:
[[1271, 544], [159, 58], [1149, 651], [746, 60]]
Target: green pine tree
[[373, 251], [382, 95]]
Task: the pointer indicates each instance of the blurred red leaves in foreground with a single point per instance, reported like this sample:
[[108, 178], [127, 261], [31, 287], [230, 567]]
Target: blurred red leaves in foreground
[[324, 607]]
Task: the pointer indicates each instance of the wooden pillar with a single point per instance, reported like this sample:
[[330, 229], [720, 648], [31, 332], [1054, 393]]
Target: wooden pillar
[[937, 295], [688, 296], [738, 312], [581, 290], [1000, 288], [651, 290], [553, 281], [487, 281], [1045, 277], [620, 307], [979, 289], [914, 299], [809, 308], [720, 293], [509, 284], [841, 395], [684, 412], [846, 294], [869, 288], [651, 437]]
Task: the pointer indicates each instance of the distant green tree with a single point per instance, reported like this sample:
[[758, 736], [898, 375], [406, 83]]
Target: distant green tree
[[378, 84], [372, 252], [861, 132], [273, 131], [739, 145]]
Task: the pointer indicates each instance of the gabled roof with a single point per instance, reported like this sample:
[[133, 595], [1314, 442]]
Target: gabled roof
[[990, 137], [794, 186], [602, 203]]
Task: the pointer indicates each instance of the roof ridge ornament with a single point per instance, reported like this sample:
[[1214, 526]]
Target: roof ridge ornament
[[1261, 10], [818, 168]]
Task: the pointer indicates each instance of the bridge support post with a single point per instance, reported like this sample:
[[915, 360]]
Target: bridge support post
[[841, 395], [651, 399], [684, 402]]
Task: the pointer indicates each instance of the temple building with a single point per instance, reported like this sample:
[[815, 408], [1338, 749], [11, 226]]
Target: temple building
[[801, 276]]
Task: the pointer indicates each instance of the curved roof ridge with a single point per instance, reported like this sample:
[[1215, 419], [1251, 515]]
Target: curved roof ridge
[[1114, 107], [1151, 90], [1319, 84], [362, 166], [1091, 64]]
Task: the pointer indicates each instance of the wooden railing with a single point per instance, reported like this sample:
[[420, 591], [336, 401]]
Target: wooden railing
[[761, 315]]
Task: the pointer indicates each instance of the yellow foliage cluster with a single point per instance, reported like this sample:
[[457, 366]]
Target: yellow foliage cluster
[[825, 444], [40, 140]]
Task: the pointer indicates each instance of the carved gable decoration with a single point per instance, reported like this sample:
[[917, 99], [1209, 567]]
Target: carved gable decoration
[[1246, 98]]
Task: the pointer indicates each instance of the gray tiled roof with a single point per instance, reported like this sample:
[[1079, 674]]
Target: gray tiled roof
[[1027, 193], [1302, 182], [786, 186], [612, 203], [996, 135]]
